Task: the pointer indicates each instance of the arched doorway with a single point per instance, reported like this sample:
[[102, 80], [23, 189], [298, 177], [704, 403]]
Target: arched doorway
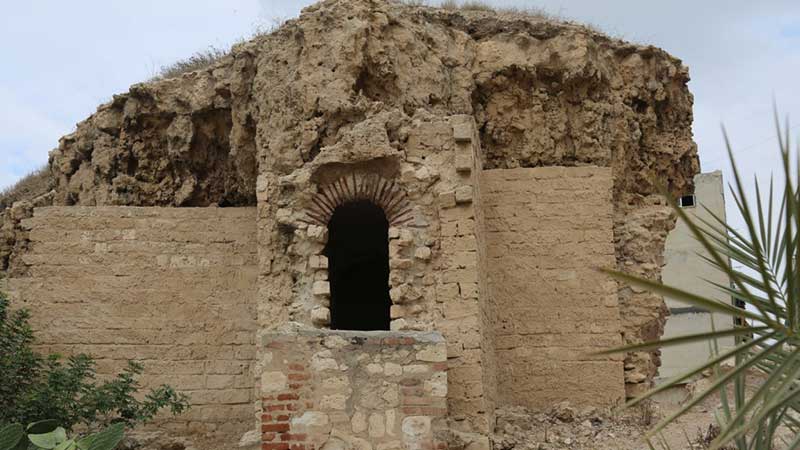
[[358, 270]]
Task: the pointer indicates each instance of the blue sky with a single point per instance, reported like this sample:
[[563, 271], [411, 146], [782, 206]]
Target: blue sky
[[62, 59]]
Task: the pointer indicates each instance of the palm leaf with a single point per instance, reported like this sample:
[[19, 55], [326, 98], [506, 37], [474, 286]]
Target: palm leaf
[[768, 250]]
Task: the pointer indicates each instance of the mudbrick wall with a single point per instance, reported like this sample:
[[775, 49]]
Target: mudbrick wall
[[171, 288], [547, 229], [334, 390]]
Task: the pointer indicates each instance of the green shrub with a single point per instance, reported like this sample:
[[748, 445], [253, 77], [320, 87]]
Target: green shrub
[[48, 435], [34, 387]]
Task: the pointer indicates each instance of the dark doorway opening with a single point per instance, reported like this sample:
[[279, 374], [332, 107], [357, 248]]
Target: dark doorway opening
[[358, 267]]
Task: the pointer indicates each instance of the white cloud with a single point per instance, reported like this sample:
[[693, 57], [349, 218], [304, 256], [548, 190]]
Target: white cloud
[[27, 134]]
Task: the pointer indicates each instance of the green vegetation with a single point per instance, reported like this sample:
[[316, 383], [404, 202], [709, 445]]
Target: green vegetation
[[34, 388], [768, 341], [48, 435]]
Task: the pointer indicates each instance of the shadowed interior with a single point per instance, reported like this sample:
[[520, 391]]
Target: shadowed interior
[[358, 255]]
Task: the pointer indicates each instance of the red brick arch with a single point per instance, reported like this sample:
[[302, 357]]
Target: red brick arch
[[384, 193]]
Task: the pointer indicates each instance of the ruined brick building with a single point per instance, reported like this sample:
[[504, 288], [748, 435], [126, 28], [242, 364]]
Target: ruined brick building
[[370, 228]]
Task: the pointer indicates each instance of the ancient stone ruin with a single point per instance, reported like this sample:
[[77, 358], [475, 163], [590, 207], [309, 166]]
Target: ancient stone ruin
[[370, 229]]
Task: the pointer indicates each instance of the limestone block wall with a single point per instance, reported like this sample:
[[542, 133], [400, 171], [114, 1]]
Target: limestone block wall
[[172, 288], [433, 255], [344, 389], [545, 230]]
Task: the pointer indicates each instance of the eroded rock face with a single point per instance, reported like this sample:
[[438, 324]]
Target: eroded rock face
[[346, 81], [159, 145]]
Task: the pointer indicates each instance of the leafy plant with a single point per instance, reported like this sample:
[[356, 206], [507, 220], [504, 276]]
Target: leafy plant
[[47, 435], [35, 387], [768, 339]]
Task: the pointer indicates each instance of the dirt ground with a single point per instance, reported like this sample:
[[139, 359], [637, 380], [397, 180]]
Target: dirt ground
[[568, 427]]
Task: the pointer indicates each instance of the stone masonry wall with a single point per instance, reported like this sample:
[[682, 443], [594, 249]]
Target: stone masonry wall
[[171, 288], [335, 390], [546, 230], [433, 257]]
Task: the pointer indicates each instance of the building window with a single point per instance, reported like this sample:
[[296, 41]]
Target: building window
[[358, 270], [687, 201]]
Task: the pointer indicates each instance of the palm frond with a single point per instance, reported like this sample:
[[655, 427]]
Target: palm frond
[[767, 252]]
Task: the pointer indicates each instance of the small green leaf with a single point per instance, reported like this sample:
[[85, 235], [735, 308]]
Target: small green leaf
[[10, 435], [85, 443], [66, 445], [49, 440], [42, 427], [108, 438]]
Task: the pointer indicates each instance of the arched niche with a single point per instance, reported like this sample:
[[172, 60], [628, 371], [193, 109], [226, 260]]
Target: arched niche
[[358, 267], [358, 210]]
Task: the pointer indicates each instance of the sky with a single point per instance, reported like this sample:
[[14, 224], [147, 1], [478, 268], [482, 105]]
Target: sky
[[62, 59]]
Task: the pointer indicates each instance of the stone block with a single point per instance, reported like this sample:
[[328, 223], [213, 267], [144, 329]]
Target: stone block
[[321, 275], [436, 386], [318, 262], [359, 422], [272, 382], [398, 325], [396, 311], [377, 426], [321, 316], [400, 263], [398, 293], [315, 422], [406, 237], [463, 132], [317, 233], [423, 174], [415, 427], [464, 195], [437, 353], [321, 288], [284, 216], [423, 253], [464, 162], [333, 402], [392, 369], [447, 199]]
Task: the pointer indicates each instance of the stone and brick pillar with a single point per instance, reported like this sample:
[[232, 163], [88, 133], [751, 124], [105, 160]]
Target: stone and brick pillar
[[323, 389]]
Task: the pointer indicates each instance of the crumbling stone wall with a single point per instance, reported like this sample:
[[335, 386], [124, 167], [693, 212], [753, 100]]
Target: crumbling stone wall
[[347, 389], [547, 230], [364, 73], [172, 288], [433, 256], [358, 87]]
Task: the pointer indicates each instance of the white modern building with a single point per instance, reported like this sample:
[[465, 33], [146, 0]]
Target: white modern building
[[685, 268]]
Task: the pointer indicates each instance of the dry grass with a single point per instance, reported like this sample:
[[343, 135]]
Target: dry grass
[[199, 60], [207, 58], [29, 187], [474, 5], [467, 5], [527, 11]]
